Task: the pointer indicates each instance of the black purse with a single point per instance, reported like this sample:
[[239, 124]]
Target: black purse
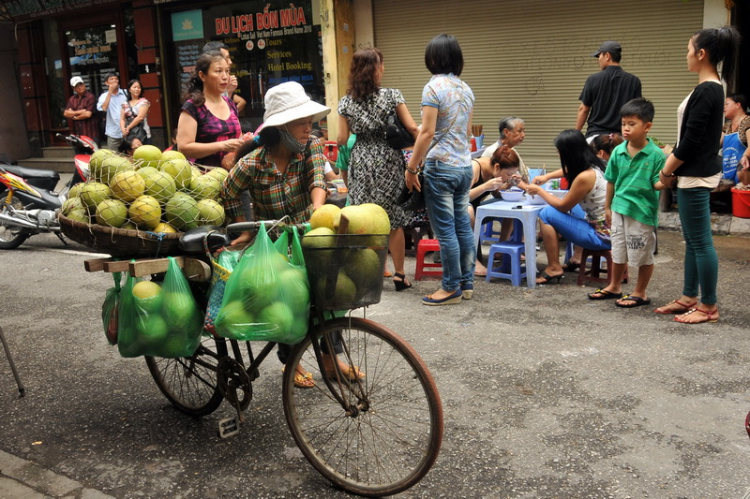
[[412, 200], [396, 135]]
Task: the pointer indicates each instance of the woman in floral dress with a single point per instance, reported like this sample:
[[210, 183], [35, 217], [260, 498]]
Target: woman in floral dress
[[376, 171]]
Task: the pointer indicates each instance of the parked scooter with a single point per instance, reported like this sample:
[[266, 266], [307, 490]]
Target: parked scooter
[[28, 202]]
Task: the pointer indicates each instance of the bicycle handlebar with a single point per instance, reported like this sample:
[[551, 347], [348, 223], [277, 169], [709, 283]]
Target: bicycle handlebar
[[245, 226]]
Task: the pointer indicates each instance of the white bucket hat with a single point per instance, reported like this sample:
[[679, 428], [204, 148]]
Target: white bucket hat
[[287, 102]]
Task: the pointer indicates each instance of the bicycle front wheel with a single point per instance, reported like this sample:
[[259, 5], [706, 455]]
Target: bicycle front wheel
[[387, 434], [190, 383]]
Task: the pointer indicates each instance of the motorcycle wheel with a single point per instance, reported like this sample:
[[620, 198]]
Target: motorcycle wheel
[[11, 236]]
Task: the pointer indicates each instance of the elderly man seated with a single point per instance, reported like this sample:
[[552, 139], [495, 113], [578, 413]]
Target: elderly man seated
[[512, 132]]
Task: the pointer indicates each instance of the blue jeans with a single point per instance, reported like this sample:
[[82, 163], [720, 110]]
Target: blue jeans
[[574, 228], [701, 260], [446, 194]]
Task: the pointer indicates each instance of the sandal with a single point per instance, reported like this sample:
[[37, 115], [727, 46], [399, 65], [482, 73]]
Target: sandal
[[571, 267], [603, 294], [401, 284], [352, 373], [711, 316], [547, 279], [684, 307], [636, 301], [302, 380]]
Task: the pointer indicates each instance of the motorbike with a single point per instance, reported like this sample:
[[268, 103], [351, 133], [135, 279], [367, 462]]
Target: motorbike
[[28, 202]]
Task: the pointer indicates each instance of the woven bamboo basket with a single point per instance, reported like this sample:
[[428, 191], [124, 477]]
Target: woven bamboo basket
[[121, 242]]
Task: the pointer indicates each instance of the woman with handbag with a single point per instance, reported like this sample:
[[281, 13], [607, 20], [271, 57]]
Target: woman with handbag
[[443, 143], [375, 168], [134, 114]]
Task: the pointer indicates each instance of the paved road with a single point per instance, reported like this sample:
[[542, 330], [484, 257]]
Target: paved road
[[546, 394]]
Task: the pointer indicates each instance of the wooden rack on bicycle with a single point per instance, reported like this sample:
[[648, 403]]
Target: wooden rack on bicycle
[[193, 268]]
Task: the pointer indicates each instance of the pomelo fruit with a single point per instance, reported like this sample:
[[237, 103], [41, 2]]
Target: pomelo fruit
[[166, 155], [204, 187], [363, 268], [94, 193], [113, 165], [182, 212], [111, 212], [210, 213], [218, 173], [166, 228], [75, 191], [327, 215], [148, 296], [341, 295], [234, 321], [276, 317], [159, 185], [153, 331], [180, 170], [95, 163], [293, 286], [147, 155], [145, 212], [71, 204], [79, 215], [127, 186]]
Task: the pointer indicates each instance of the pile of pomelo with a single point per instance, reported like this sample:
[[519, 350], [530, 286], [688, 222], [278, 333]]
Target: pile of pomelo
[[155, 191], [344, 270]]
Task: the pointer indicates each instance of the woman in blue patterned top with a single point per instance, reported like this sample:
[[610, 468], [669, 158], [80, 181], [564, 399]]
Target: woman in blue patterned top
[[443, 143]]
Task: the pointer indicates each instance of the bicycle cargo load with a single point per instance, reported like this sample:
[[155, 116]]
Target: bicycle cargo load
[[345, 270]]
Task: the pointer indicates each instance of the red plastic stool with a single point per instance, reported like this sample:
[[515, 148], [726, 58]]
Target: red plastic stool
[[423, 247], [596, 269]]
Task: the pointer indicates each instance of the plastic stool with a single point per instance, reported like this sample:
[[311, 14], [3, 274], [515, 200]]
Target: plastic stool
[[596, 267], [513, 250], [488, 233], [424, 246]]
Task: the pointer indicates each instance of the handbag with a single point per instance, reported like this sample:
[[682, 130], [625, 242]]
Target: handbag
[[138, 131], [412, 200], [396, 135]]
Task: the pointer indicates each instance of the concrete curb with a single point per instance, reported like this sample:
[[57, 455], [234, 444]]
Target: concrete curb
[[21, 479], [724, 224]]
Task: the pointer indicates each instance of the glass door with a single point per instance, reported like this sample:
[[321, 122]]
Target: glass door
[[92, 53]]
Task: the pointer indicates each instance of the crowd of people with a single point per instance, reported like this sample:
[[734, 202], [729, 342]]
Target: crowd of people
[[614, 172]]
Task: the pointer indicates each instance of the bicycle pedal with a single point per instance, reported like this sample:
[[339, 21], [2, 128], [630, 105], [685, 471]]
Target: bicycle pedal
[[229, 427]]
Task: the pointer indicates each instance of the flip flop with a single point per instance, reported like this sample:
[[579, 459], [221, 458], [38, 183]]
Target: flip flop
[[685, 307], [710, 316], [637, 302], [604, 295], [302, 380]]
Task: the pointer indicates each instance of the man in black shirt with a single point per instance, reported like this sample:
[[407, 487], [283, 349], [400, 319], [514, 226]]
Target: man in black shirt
[[605, 93]]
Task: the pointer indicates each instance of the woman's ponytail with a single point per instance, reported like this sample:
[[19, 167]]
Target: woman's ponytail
[[269, 138], [729, 45]]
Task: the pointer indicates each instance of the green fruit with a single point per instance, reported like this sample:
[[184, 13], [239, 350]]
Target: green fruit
[[210, 213], [293, 286], [339, 295], [146, 172], [113, 165], [204, 187], [95, 163], [153, 332], [182, 212], [127, 186], [367, 218], [158, 185], [75, 191], [94, 193], [145, 212], [129, 226], [148, 296], [79, 215], [316, 244], [70, 204], [111, 212], [172, 155], [180, 170], [218, 173], [257, 286], [364, 268], [234, 321], [277, 318], [147, 155], [181, 313]]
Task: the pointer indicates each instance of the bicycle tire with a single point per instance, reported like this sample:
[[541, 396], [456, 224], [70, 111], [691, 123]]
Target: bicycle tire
[[190, 386], [11, 237], [395, 438]]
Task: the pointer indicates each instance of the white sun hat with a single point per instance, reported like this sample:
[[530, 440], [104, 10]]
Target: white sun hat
[[287, 102]]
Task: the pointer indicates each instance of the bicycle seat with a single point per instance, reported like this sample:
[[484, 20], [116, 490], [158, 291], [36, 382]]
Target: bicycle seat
[[192, 241]]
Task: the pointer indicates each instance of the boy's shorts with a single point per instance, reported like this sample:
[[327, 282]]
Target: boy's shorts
[[632, 241]]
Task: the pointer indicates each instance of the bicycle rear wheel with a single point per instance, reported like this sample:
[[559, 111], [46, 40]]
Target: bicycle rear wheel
[[389, 436], [190, 383]]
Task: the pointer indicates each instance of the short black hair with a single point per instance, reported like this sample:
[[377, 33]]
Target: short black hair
[[739, 99], [616, 56], [443, 55], [642, 109], [214, 46], [110, 75]]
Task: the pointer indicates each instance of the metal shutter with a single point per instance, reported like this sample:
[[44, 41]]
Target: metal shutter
[[530, 59]]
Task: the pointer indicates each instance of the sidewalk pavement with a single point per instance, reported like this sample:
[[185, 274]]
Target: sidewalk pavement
[[22, 479], [721, 224]]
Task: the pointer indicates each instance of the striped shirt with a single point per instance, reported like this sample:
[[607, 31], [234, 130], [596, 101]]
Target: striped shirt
[[276, 194]]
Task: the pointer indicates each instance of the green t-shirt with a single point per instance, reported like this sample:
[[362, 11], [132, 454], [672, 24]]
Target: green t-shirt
[[634, 180], [342, 160]]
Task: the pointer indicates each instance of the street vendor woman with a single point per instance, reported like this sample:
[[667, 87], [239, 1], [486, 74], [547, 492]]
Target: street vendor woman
[[283, 168]]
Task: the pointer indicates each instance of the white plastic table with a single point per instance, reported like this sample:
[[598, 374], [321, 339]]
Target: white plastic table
[[521, 210]]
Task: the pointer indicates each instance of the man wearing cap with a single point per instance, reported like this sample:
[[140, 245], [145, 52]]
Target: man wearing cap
[[111, 102], [80, 109], [606, 92]]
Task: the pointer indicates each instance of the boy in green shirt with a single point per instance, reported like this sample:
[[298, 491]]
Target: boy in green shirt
[[632, 205]]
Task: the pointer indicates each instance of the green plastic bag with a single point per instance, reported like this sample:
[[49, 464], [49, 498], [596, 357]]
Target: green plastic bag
[[267, 297], [166, 323], [110, 309]]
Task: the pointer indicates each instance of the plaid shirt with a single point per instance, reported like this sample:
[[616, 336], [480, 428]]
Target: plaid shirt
[[276, 194], [90, 126]]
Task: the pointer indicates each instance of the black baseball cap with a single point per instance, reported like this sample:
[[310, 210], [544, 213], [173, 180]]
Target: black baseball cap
[[609, 46]]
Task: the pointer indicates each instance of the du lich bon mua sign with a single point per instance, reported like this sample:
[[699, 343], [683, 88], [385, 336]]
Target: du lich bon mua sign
[[268, 23]]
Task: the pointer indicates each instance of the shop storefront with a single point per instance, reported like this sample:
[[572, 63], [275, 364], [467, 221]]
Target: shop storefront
[[158, 42]]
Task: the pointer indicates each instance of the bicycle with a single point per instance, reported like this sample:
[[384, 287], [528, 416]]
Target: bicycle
[[374, 435]]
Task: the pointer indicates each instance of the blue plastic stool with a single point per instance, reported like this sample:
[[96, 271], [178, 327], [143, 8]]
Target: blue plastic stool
[[513, 250], [488, 233]]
